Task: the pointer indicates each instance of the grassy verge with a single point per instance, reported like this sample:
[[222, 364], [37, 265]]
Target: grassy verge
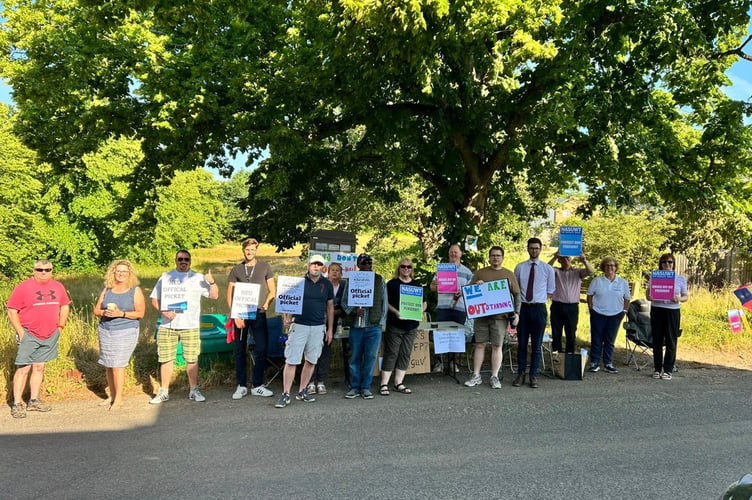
[[704, 321]]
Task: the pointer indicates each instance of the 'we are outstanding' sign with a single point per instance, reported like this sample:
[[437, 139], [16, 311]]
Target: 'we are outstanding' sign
[[492, 297]]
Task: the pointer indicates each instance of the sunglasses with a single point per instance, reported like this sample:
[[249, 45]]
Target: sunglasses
[[667, 262], [43, 270], [403, 266], [183, 259]]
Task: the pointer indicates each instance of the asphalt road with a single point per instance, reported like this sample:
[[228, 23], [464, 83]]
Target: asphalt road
[[622, 436]]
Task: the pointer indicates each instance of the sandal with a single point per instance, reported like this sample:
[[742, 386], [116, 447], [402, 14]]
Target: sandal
[[384, 390], [401, 388]]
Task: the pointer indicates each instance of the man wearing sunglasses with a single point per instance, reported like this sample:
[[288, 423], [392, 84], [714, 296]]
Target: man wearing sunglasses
[[38, 309], [181, 323]]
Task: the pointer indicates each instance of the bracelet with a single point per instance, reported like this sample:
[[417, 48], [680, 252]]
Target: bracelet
[[212, 283], [124, 314]]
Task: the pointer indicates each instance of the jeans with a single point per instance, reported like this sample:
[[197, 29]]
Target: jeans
[[257, 327], [364, 346], [564, 318], [533, 318], [603, 330]]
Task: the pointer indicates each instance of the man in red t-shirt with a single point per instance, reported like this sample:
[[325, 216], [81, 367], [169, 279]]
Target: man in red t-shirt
[[38, 309]]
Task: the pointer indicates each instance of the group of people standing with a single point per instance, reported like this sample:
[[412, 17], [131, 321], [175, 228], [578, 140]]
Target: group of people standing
[[38, 309]]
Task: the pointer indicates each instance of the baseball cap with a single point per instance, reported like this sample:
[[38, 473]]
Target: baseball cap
[[317, 258], [364, 257]]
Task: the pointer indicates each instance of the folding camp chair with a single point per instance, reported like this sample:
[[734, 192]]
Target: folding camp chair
[[275, 349], [639, 335]]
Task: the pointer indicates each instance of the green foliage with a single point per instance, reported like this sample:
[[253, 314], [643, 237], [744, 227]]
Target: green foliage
[[635, 241]]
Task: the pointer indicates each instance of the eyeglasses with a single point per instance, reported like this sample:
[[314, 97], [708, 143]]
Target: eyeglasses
[[403, 266], [43, 270], [319, 264], [122, 272], [496, 256], [183, 259], [667, 262]]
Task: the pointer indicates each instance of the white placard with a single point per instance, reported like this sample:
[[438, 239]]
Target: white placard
[[492, 297], [290, 290], [360, 286], [245, 299], [173, 296], [448, 341]]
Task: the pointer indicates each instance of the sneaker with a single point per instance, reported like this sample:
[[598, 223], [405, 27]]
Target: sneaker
[[240, 392], [352, 394], [160, 398], [495, 384], [321, 389], [37, 405], [665, 376], [262, 391], [367, 394], [474, 380], [656, 375], [438, 367], [283, 400], [594, 367], [196, 395], [611, 369], [311, 389], [18, 410], [305, 397]]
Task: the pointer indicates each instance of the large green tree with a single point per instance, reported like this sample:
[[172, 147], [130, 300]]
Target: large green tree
[[494, 103]]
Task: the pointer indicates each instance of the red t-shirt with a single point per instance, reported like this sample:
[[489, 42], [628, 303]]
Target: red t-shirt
[[38, 305]]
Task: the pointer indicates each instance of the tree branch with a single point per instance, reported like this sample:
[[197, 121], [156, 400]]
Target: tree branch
[[739, 51]]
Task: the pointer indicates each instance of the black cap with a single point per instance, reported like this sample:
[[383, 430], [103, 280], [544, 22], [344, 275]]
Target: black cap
[[364, 257]]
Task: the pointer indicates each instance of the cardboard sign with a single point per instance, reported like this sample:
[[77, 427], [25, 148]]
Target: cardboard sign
[[245, 299], [411, 302], [348, 261], [446, 278], [570, 241], [419, 360], [360, 286], [662, 285], [492, 297], [290, 290]]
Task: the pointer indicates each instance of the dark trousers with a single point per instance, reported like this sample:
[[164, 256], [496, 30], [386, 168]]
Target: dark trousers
[[533, 318], [665, 326], [564, 317], [603, 330], [256, 327], [321, 372]]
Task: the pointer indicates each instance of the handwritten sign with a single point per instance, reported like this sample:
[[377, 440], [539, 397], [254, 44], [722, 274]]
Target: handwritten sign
[[662, 285], [411, 302], [290, 290], [570, 241], [446, 278], [360, 286], [245, 299], [348, 261], [449, 341], [492, 297], [174, 294]]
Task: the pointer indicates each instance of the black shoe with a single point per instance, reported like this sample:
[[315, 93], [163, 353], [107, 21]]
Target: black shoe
[[533, 381], [519, 380]]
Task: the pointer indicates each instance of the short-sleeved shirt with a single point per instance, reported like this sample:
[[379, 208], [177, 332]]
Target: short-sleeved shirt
[[446, 300], [490, 274], [195, 287], [259, 273], [609, 296], [315, 297], [393, 295], [38, 305], [568, 284]]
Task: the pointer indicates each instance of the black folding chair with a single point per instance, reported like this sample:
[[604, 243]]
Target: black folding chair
[[639, 335]]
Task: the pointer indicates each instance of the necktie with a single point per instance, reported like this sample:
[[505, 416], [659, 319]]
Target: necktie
[[530, 283]]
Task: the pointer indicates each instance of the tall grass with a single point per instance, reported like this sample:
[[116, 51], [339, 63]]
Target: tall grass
[[704, 321]]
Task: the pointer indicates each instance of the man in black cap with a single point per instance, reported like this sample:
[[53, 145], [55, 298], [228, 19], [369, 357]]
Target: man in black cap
[[365, 333]]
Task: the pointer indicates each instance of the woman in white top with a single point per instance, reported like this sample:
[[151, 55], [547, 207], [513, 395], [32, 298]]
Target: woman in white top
[[665, 317], [608, 300]]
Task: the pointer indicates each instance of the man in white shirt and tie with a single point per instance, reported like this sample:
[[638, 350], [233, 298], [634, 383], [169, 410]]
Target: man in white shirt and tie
[[537, 283]]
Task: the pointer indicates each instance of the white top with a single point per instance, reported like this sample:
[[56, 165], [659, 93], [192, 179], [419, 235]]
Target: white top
[[544, 284], [609, 296], [196, 287]]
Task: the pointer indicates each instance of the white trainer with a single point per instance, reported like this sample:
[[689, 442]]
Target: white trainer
[[160, 398], [196, 395], [240, 392], [474, 380], [262, 391]]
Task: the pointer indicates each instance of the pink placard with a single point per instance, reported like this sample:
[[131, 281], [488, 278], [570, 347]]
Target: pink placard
[[446, 278], [662, 285]]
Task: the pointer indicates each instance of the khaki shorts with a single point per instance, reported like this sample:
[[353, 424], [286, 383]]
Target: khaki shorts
[[490, 329], [167, 344], [303, 338]]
